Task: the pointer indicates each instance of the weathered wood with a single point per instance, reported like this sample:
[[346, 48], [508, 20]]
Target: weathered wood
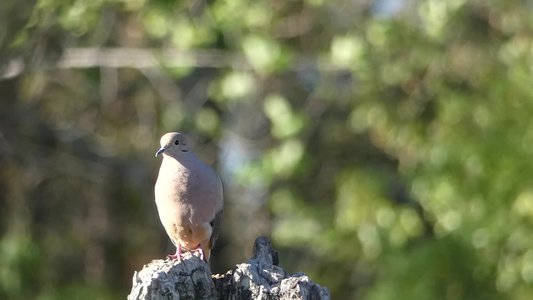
[[259, 278]]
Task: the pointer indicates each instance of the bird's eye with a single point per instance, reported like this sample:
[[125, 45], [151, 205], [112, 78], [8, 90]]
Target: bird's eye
[[176, 142]]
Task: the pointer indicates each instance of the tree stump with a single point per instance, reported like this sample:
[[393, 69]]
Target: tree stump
[[259, 278]]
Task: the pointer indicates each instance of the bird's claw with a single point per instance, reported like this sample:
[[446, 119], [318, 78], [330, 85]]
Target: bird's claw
[[174, 257], [201, 251], [179, 254]]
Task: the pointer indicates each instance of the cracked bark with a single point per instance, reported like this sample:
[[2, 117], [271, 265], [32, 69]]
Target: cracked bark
[[259, 278]]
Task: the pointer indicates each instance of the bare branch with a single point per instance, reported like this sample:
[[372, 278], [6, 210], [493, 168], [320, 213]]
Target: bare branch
[[74, 58]]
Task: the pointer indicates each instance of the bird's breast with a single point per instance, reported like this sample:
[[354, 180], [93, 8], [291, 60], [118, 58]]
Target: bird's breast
[[191, 193]]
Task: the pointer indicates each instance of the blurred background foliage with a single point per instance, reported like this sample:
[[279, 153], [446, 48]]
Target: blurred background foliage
[[385, 146]]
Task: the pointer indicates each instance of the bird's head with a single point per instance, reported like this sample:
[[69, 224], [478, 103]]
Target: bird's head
[[173, 144]]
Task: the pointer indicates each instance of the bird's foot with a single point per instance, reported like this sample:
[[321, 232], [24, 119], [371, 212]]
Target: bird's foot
[[174, 257], [177, 255], [200, 251]]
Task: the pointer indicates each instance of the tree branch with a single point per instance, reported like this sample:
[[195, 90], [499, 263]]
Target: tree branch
[[138, 58]]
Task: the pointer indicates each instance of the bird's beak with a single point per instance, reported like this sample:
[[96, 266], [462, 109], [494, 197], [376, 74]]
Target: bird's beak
[[161, 150]]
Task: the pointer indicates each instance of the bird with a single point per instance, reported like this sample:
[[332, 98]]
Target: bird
[[189, 198]]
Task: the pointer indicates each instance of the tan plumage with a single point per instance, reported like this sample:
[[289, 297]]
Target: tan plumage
[[189, 199]]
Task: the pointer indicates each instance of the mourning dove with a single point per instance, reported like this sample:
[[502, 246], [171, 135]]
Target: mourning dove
[[189, 199]]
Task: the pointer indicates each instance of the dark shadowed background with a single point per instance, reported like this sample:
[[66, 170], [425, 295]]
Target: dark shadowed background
[[385, 146]]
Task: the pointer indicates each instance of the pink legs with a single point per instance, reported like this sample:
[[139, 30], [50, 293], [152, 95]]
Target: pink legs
[[202, 255], [179, 253]]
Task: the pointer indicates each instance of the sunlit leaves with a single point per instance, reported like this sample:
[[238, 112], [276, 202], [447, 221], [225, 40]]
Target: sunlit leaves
[[172, 115], [514, 266], [281, 161], [81, 10], [186, 34], [346, 51], [436, 14], [285, 121], [523, 204], [156, 25], [236, 85], [361, 207], [259, 15], [264, 54], [291, 213], [207, 121], [358, 197], [18, 255]]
